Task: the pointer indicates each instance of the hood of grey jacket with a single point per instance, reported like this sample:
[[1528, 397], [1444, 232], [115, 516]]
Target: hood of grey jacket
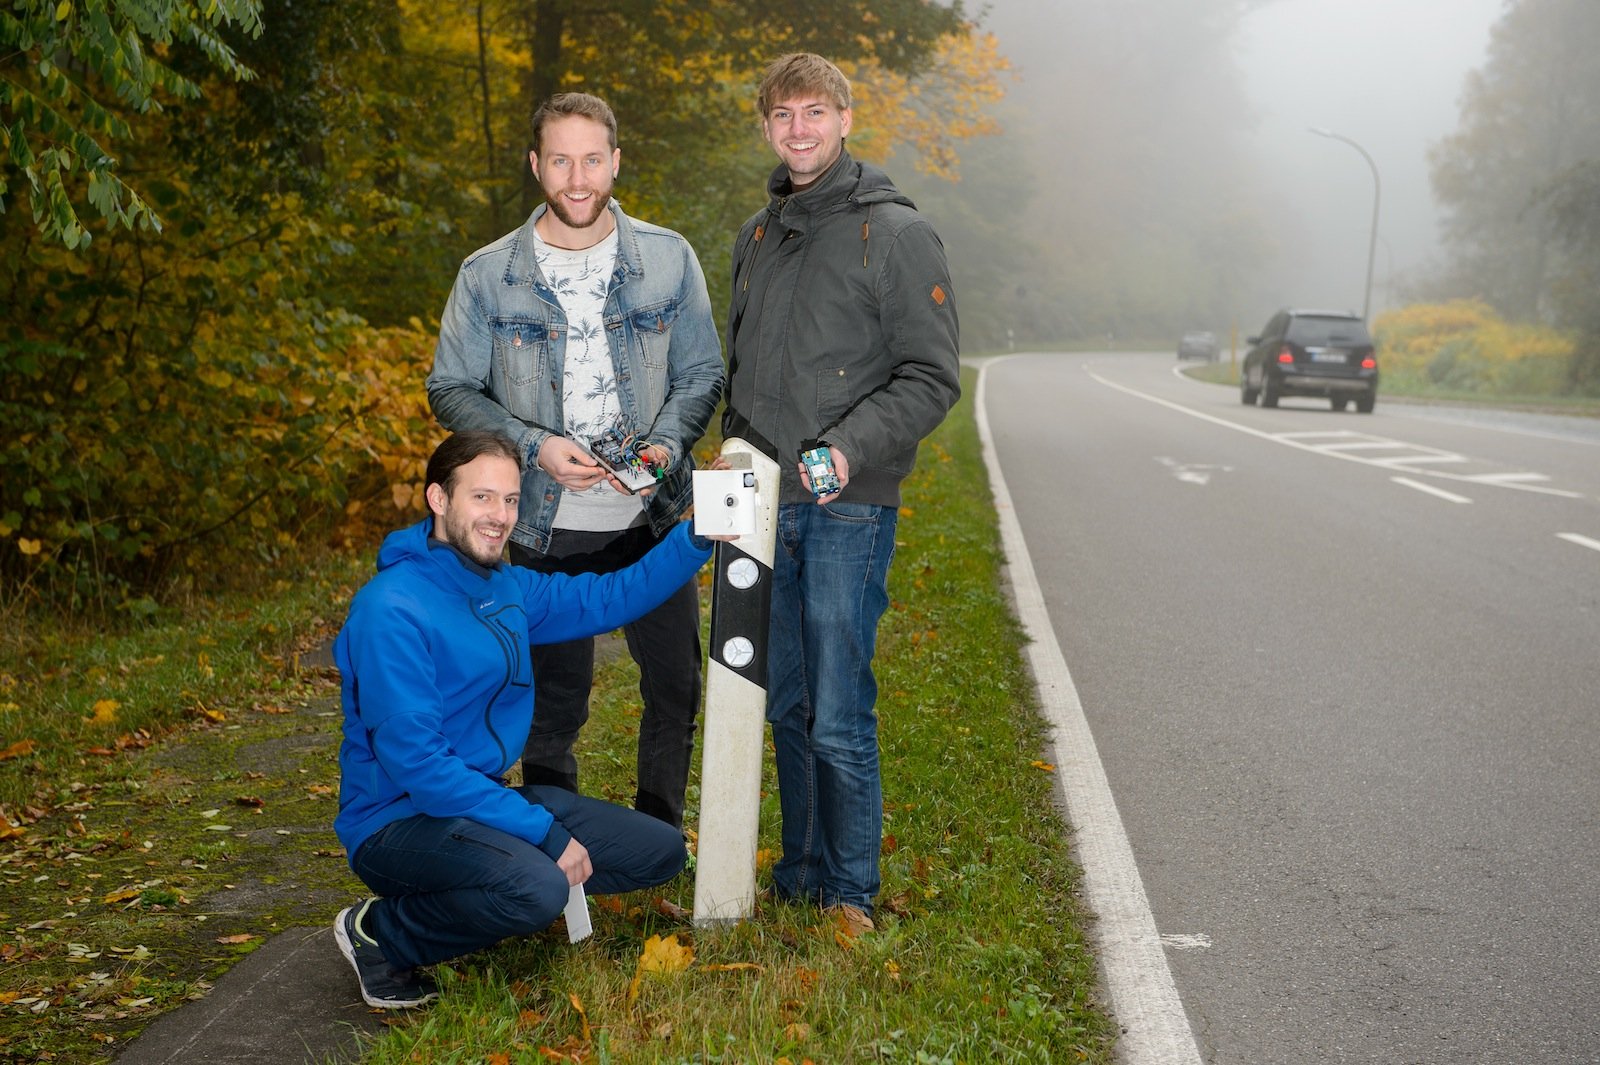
[[842, 327]]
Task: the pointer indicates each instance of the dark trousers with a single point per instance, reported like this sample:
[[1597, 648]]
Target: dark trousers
[[666, 645], [450, 886]]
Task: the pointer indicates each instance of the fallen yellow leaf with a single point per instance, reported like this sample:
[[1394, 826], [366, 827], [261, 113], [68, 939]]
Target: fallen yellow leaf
[[1046, 766], [577, 1004], [120, 896], [660, 956], [105, 712], [20, 749], [28, 547], [665, 955]]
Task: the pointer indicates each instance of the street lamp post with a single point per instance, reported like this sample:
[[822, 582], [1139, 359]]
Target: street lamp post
[[1377, 192]]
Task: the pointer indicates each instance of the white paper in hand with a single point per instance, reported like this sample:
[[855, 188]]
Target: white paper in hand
[[577, 914]]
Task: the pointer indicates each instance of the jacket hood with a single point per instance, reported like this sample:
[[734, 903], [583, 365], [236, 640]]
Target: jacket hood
[[442, 564], [845, 181]]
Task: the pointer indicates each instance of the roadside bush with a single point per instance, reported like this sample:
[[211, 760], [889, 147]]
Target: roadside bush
[[188, 417], [1464, 347]]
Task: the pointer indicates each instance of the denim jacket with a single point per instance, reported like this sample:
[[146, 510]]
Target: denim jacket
[[502, 347]]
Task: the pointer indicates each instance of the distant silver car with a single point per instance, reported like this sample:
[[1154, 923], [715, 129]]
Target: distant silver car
[[1198, 345]]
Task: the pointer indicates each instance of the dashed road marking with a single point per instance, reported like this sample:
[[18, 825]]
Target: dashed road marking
[[1336, 443], [1430, 489], [1581, 541]]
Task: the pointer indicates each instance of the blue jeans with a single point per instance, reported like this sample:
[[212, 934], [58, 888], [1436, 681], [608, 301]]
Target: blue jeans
[[450, 886], [830, 588]]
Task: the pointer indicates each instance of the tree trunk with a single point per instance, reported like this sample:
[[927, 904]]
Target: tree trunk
[[546, 22]]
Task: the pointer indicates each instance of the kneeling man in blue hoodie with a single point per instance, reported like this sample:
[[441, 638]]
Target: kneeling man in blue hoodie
[[438, 699]]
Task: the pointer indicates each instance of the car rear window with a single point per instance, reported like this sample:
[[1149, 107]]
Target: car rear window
[[1328, 332]]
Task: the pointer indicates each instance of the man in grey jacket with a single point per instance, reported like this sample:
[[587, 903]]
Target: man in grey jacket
[[842, 331], [581, 323]]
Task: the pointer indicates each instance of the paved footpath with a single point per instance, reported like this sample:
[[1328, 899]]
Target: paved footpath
[[292, 1000]]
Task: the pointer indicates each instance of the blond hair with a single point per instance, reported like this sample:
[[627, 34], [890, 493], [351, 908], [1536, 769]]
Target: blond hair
[[567, 104], [802, 74]]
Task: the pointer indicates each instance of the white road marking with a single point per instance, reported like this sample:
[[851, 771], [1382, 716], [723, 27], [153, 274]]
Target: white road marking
[[1415, 460], [1366, 445], [1192, 472], [1507, 478], [1430, 489], [1144, 998], [1581, 541], [1296, 440], [1186, 941]]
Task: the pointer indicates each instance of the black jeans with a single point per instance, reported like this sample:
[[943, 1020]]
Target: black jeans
[[666, 645]]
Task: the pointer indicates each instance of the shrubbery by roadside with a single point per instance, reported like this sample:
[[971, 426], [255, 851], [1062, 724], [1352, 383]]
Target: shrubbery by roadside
[[1464, 348], [132, 481]]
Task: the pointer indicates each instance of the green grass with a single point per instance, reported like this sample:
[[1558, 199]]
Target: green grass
[[980, 956]]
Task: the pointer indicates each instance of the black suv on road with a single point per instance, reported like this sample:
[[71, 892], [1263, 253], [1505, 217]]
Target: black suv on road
[[1311, 353]]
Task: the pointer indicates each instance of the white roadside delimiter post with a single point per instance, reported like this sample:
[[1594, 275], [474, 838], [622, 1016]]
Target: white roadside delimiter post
[[736, 706]]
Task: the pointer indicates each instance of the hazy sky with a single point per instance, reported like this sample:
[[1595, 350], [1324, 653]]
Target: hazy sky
[[1385, 73]]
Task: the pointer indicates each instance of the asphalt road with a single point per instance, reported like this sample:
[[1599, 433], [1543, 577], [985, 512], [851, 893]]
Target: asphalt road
[[1343, 672]]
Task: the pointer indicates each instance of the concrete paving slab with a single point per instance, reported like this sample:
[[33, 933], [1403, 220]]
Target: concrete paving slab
[[293, 1000]]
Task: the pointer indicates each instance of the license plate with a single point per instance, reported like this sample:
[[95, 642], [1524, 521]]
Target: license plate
[[1327, 356]]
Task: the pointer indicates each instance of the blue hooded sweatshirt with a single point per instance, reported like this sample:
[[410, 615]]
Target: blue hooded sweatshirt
[[437, 686]]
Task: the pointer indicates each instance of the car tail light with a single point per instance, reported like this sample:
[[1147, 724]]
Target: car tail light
[[1369, 363], [1286, 354]]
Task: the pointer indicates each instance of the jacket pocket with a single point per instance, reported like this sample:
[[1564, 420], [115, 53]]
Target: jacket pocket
[[652, 331], [835, 394], [519, 349]]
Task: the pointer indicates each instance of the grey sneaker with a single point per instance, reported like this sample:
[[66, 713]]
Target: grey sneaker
[[382, 985]]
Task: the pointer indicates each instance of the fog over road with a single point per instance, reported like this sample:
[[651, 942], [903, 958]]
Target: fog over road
[[1343, 672]]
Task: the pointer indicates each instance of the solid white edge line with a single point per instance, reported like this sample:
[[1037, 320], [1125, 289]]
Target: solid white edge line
[[1571, 538], [1144, 998], [1430, 489]]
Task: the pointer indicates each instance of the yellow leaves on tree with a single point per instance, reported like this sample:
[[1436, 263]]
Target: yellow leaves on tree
[[946, 103]]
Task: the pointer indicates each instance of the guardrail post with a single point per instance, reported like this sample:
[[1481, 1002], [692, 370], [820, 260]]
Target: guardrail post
[[736, 706]]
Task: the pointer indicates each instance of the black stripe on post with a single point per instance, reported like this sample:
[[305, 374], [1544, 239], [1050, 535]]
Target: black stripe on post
[[741, 603]]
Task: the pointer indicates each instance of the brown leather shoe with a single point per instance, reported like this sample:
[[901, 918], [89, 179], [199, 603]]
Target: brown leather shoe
[[852, 920]]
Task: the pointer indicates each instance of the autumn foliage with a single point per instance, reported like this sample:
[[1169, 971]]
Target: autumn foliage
[[238, 380], [1465, 347]]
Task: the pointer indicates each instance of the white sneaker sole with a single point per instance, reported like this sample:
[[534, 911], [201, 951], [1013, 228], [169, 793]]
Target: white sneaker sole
[[348, 949]]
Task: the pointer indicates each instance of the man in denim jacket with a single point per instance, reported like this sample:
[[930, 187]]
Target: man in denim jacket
[[581, 321]]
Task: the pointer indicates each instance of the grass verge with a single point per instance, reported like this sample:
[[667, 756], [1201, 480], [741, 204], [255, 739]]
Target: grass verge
[[980, 957]]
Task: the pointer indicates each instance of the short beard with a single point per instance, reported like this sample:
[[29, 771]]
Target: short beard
[[459, 536], [558, 207]]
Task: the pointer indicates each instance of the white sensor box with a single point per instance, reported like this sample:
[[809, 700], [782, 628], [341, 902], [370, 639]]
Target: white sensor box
[[724, 502]]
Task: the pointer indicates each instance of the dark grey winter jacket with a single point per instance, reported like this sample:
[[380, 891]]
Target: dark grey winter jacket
[[842, 328]]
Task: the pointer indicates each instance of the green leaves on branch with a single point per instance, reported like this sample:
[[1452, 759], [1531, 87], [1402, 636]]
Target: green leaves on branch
[[70, 67]]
